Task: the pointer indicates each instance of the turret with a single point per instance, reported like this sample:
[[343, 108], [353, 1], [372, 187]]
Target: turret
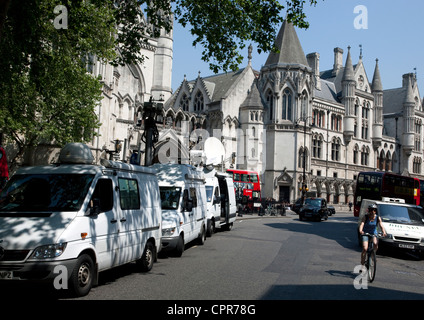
[[409, 115], [377, 91], [348, 99], [162, 77]]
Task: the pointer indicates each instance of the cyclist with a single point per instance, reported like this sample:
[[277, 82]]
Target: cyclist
[[369, 225]]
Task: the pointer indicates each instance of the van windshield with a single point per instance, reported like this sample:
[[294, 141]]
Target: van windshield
[[400, 214], [170, 197], [44, 193]]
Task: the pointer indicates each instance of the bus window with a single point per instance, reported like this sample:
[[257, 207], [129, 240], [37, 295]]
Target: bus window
[[253, 178]]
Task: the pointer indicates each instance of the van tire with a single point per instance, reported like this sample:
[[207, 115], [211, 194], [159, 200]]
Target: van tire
[[211, 228], [179, 249], [202, 236], [82, 276], [147, 259]]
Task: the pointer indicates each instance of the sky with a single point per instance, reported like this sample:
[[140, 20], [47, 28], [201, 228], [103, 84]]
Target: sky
[[388, 30]]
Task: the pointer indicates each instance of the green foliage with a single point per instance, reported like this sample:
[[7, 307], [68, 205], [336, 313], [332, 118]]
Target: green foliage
[[46, 93], [222, 27]]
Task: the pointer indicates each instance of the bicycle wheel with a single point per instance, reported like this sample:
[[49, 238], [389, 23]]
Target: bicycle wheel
[[371, 265]]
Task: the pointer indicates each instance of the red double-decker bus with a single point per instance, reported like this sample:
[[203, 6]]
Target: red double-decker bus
[[376, 185], [246, 183]]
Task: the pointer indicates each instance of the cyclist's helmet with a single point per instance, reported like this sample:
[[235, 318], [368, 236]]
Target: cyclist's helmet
[[372, 206]]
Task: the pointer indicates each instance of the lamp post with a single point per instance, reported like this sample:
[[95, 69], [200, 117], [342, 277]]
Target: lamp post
[[304, 187]]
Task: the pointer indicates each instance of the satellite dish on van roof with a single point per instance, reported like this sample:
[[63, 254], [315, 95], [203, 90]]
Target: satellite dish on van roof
[[76, 153], [214, 151]]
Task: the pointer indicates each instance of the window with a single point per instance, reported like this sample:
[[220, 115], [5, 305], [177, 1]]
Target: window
[[364, 156], [103, 195], [335, 150], [198, 101], [128, 194], [287, 105], [193, 196], [270, 101], [170, 197], [317, 147], [184, 102]]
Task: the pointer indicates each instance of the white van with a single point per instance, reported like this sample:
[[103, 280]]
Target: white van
[[221, 201], [404, 223], [183, 196], [85, 217]]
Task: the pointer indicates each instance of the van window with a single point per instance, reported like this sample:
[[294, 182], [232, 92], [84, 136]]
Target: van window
[[170, 197], [44, 193], [400, 214], [128, 194], [193, 196], [209, 193], [104, 194]]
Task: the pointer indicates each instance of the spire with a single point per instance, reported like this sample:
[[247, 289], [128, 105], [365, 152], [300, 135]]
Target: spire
[[288, 44], [348, 74], [376, 80]]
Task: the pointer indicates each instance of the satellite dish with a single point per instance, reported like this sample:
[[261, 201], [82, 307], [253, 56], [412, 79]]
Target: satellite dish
[[214, 151]]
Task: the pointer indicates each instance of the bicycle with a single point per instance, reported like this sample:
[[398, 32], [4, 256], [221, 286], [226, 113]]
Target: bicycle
[[371, 260]]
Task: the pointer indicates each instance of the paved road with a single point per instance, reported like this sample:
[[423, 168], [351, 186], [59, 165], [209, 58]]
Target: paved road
[[264, 258]]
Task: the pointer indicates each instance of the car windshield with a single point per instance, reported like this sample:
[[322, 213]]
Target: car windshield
[[44, 193], [313, 202], [401, 214], [170, 197]]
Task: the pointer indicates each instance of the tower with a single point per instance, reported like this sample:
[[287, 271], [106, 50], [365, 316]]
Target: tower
[[408, 120], [377, 91], [348, 99], [162, 66]]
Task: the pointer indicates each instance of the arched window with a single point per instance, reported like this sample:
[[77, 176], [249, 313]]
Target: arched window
[[287, 113], [365, 156], [355, 154], [184, 102], [335, 149], [270, 101], [198, 101]]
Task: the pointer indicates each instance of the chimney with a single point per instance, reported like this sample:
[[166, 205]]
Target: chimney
[[338, 61], [313, 61]]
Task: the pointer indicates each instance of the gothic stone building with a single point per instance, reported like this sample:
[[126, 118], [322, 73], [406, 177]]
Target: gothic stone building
[[292, 121]]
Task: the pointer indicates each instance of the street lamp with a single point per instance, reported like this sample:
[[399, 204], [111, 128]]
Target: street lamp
[[304, 187]]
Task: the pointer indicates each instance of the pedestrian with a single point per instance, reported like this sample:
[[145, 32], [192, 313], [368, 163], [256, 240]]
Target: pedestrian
[[350, 205]]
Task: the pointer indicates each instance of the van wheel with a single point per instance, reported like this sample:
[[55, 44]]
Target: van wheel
[[179, 249], [148, 257], [211, 228], [202, 237], [82, 276]]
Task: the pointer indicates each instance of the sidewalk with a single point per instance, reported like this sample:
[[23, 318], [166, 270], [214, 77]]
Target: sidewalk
[[288, 214]]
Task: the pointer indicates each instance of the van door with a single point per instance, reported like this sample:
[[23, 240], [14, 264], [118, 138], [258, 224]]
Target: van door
[[104, 225], [130, 237]]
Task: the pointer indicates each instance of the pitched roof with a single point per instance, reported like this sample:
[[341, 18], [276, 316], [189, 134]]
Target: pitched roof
[[288, 44]]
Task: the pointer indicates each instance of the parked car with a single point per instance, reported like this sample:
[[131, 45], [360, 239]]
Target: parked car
[[297, 205], [314, 208], [331, 210]]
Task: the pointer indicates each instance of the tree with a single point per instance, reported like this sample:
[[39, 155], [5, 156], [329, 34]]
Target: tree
[[46, 95]]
